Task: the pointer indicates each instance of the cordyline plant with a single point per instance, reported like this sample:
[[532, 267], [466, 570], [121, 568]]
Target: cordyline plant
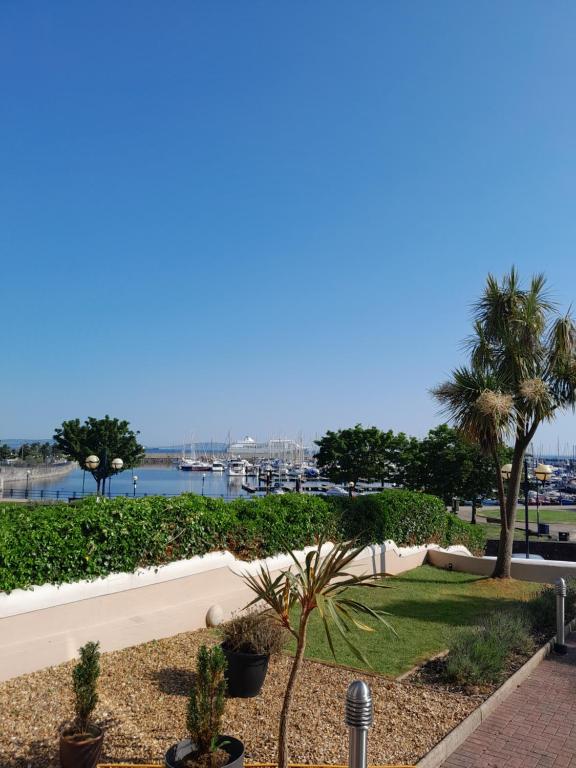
[[320, 583], [522, 371], [85, 678]]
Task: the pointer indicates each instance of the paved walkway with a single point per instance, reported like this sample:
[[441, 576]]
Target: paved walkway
[[534, 727]]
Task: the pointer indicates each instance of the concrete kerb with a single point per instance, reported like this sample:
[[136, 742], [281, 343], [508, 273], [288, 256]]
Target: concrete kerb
[[461, 732]]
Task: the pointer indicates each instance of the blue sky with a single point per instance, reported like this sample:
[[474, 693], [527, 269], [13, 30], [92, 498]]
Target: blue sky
[[271, 217]]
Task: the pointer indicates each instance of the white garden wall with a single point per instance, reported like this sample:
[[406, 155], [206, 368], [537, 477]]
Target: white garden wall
[[46, 625]]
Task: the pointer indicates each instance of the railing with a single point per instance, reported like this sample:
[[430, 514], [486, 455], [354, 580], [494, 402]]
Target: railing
[[49, 494]]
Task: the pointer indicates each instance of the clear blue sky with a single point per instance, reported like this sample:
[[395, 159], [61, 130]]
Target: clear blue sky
[[268, 217]]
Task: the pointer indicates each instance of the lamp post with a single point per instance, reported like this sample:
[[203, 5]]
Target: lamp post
[[351, 488], [506, 471], [93, 462], [542, 473], [27, 481], [203, 479], [134, 480]]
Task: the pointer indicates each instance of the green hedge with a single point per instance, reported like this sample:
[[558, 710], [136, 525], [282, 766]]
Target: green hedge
[[61, 543], [408, 518]]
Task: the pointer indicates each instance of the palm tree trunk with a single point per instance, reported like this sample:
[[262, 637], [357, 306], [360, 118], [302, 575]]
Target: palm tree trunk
[[284, 717], [502, 569]]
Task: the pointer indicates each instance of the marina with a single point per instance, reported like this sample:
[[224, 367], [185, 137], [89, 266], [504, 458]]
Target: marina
[[226, 480]]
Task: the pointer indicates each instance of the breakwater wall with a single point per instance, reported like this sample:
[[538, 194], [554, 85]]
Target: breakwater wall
[[34, 472]]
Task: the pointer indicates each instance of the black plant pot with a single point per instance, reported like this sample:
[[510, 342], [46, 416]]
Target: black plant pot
[[81, 752], [229, 744], [245, 673]]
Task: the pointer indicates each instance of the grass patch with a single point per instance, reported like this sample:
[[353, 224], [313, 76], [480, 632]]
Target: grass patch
[[426, 605], [547, 514], [492, 531]]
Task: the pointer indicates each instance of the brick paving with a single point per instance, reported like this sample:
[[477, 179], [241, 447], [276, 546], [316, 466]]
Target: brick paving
[[535, 727]]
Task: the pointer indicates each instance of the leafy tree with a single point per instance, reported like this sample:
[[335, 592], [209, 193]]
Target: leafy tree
[[522, 370], [362, 453], [446, 464], [34, 453], [105, 438], [6, 452]]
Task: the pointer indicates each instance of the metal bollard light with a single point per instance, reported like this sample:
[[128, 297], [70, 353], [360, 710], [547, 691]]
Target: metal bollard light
[[560, 588], [358, 717]]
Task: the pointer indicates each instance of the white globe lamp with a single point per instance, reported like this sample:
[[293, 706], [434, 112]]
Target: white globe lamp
[[92, 462]]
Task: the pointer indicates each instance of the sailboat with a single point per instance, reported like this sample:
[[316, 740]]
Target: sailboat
[[192, 464]]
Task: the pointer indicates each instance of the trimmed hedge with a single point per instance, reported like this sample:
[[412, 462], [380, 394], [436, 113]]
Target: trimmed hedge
[[408, 518], [61, 543]]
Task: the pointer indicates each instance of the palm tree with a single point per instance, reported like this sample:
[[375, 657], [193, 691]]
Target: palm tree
[[321, 584], [522, 370]]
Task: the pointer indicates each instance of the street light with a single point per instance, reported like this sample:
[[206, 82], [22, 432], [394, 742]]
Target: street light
[[351, 488], [28, 473], [134, 480], [93, 462], [203, 479], [542, 473]]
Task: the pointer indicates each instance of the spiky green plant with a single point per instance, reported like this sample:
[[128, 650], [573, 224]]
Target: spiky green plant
[[522, 370], [206, 702], [85, 679], [319, 584]]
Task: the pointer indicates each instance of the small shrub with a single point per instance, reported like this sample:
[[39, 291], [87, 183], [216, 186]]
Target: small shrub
[[85, 679], [542, 608], [478, 655], [475, 658], [206, 702], [253, 633]]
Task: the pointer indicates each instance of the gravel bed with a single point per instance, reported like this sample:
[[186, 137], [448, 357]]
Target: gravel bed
[[142, 704]]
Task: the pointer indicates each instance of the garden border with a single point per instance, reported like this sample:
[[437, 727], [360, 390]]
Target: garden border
[[458, 735]]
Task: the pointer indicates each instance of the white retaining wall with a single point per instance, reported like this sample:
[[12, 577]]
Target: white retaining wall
[[46, 625], [543, 571]]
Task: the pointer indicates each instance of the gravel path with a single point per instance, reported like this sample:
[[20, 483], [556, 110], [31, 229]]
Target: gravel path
[[143, 702]]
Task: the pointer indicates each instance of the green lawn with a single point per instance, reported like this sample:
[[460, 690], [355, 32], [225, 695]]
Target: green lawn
[[425, 605], [492, 531], [547, 514]]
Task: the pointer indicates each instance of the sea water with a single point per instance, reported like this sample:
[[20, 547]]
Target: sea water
[[151, 480]]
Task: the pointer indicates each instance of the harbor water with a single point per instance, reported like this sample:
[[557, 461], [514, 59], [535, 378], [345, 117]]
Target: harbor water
[[150, 481]]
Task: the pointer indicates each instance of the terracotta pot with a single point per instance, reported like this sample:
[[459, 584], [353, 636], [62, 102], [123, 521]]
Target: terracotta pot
[[81, 753], [229, 744]]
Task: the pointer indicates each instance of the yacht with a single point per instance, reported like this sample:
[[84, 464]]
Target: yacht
[[236, 468], [193, 465], [218, 466]]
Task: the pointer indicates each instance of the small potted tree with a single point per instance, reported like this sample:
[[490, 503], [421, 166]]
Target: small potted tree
[[248, 641], [81, 742], [206, 747]]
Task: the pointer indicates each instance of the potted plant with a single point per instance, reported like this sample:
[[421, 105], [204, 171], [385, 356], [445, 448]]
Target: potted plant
[[206, 747], [248, 641], [321, 583], [81, 742]]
